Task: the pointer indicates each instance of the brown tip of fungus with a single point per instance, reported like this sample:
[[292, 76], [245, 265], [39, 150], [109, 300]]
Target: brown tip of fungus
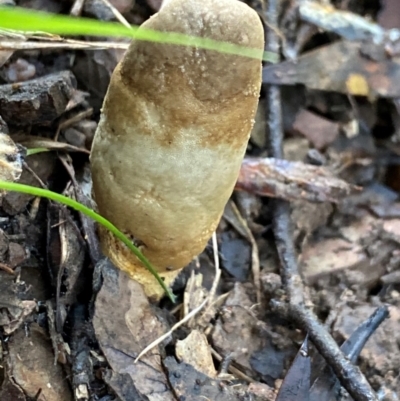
[[173, 133]]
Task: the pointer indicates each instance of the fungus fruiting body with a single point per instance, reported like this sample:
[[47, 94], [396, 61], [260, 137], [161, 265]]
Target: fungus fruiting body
[[173, 131]]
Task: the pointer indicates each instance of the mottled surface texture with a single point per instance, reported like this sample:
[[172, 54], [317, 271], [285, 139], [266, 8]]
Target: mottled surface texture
[[174, 130]]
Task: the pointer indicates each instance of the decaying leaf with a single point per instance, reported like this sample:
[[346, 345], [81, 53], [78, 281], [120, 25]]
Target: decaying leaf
[[296, 384], [125, 323], [195, 350], [9, 391], [345, 67], [191, 385], [32, 368]]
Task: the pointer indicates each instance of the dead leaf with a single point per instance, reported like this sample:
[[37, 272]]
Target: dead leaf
[[195, 350], [42, 164], [296, 384], [125, 323], [191, 385], [9, 391], [31, 365], [389, 14], [236, 330], [320, 131], [341, 67]]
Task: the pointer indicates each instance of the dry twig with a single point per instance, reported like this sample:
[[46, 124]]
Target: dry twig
[[349, 375]]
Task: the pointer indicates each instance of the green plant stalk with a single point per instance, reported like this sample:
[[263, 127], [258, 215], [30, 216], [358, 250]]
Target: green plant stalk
[[45, 193], [26, 21], [34, 151]]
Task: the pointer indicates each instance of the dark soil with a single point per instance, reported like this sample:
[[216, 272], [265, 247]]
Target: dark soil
[[72, 325]]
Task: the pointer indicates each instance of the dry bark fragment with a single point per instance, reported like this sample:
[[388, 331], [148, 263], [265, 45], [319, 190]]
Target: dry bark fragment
[[287, 180], [38, 101]]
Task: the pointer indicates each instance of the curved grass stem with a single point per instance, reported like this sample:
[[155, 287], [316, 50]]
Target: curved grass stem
[[45, 193]]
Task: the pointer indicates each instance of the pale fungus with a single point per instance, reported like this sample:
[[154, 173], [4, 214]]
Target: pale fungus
[[172, 135]]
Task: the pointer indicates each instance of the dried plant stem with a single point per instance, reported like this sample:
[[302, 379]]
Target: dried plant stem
[[174, 327]]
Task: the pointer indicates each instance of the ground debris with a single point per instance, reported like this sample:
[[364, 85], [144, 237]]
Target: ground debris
[[38, 101], [14, 308], [279, 178], [239, 333], [31, 366], [348, 25], [195, 350], [191, 385], [125, 323], [318, 130], [42, 166], [350, 69], [11, 157], [381, 353], [340, 129], [9, 391]]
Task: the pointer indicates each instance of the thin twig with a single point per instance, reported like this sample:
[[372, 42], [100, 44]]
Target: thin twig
[[349, 375], [235, 371], [7, 269], [77, 7], [217, 271], [117, 14], [174, 327], [61, 44], [208, 301]]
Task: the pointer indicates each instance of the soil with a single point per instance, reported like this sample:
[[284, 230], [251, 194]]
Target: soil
[[72, 325]]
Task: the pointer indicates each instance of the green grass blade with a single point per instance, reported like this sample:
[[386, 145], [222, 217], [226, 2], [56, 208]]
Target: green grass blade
[[27, 21], [45, 193], [34, 151]]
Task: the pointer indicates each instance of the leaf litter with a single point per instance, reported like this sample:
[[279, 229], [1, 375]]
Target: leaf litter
[[339, 100]]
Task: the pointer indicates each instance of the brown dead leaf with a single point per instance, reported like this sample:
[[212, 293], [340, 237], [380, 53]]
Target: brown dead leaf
[[195, 350], [318, 130], [125, 323], [330, 256], [361, 251], [30, 362], [341, 67]]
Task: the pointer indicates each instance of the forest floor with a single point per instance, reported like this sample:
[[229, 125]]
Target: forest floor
[[72, 325]]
